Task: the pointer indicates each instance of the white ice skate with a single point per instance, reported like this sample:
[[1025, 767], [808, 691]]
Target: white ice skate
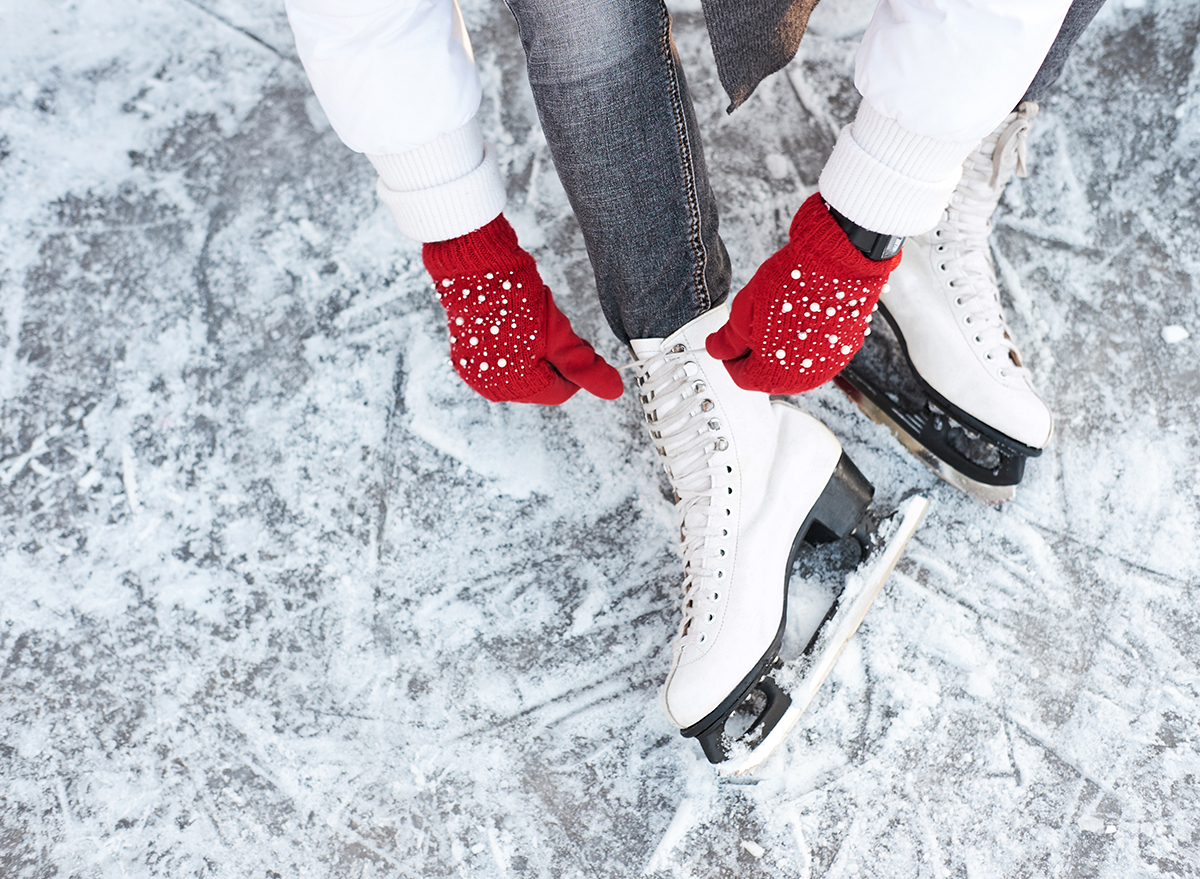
[[753, 478], [955, 391]]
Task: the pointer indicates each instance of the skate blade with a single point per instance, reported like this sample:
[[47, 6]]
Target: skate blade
[[982, 491], [802, 678]]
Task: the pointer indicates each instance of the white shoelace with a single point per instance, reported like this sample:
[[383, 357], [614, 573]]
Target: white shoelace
[[963, 235], [687, 435]]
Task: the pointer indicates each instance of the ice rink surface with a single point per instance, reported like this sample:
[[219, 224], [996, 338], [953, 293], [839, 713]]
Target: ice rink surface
[[279, 597]]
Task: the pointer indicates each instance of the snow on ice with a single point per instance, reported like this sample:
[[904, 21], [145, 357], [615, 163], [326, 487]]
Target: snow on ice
[[280, 597]]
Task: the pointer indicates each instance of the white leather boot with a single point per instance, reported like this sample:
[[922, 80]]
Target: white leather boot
[[750, 475], [944, 301]]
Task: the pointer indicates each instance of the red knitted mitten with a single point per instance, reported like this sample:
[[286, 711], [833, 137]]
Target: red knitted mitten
[[508, 340], [805, 312]]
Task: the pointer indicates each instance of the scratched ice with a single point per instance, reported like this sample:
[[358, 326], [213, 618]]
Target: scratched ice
[[279, 597]]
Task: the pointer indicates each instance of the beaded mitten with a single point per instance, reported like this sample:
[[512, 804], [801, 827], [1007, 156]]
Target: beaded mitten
[[805, 312], [508, 340]]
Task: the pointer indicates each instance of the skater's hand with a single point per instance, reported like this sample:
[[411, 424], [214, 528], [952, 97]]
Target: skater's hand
[[805, 312], [508, 340]]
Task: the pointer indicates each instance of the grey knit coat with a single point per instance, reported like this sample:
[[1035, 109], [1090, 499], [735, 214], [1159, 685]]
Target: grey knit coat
[[752, 39]]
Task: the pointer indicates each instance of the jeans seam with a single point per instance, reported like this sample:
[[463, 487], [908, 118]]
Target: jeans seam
[[696, 239]]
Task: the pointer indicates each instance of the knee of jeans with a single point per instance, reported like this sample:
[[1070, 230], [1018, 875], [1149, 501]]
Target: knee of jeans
[[567, 40]]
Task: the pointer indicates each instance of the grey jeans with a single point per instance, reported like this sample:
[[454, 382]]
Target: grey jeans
[[616, 112]]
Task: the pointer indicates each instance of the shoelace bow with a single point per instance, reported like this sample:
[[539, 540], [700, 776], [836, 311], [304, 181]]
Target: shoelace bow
[[686, 435], [1017, 131]]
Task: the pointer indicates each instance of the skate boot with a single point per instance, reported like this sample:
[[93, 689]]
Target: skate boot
[[952, 386], [752, 479]]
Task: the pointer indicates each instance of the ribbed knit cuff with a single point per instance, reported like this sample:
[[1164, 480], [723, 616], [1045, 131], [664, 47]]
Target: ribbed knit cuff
[[448, 158], [889, 179], [444, 189], [492, 248]]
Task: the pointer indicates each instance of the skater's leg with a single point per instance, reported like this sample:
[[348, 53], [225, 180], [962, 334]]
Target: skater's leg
[[748, 473], [618, 117], [945, 304]]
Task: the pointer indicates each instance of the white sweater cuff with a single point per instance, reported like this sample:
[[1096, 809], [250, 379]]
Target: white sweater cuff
[[444, 189], [889, 179]]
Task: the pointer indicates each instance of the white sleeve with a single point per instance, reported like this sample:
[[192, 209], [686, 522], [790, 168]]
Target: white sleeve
[[937, 76], [952, 69], [391, 75], [398, 82]]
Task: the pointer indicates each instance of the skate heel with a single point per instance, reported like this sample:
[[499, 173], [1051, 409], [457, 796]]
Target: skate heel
[[766, 703], [841, 506]]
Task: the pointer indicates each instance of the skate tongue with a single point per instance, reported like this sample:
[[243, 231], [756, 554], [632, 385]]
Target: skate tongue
[[643, 349], [692, 334]]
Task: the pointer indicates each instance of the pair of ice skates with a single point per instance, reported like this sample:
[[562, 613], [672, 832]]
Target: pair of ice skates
[[755, 478]]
